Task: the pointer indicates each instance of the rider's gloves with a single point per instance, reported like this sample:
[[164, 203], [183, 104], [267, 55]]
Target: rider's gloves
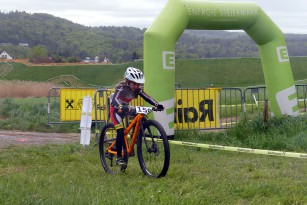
[[124, 108], [159, 107]]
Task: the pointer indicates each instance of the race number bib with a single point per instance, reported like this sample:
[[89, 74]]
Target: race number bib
[[143, 110]]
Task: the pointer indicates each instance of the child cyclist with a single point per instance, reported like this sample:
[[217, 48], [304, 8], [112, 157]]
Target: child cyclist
[[125, 91]]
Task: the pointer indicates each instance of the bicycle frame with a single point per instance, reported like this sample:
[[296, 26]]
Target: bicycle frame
[[153, 157], [136, 124]]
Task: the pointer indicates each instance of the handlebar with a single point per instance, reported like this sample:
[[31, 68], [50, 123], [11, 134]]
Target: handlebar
[[139, 109]]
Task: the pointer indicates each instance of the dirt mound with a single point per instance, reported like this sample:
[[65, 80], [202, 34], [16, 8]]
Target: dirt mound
[[11, 138]]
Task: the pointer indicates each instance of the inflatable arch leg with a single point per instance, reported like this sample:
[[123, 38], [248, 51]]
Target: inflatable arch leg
[[178, 15]]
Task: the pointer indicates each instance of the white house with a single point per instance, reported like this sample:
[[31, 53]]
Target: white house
[[87, 60], [96, 59], [24, 44], [5, 55], [106, 60]]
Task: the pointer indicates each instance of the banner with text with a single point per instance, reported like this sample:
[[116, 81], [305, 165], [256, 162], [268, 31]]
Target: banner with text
[[197, 108]]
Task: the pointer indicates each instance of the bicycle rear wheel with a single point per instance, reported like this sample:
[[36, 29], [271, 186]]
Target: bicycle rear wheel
[[108, 161], [153, 149]]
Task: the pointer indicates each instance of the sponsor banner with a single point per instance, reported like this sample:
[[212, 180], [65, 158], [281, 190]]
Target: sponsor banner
[[197, 108], [194, 109], [71, 101]]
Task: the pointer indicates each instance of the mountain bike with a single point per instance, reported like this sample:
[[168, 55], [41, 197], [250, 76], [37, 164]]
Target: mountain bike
[[152, 144]]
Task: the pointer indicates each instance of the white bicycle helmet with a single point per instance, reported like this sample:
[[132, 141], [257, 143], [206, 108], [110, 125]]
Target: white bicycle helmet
[[134, 75]]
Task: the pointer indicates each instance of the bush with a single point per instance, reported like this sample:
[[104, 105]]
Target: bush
[[73, 60]]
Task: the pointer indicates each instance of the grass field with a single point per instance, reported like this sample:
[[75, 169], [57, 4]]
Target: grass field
[[72, 174], [29, 114], [190, 73]]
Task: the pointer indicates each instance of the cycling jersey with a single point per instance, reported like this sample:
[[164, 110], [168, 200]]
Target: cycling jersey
[[123, 95]]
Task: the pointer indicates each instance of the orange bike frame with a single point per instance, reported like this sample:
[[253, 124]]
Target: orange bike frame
[[136, 124]]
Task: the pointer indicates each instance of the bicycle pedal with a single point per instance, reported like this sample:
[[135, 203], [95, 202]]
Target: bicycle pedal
[[109, 156], [123, 167]]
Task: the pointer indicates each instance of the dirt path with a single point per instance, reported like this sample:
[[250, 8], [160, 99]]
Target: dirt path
[[9, 138]]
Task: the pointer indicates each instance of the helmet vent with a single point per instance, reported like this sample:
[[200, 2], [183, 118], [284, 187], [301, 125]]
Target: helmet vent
[[134, 75]]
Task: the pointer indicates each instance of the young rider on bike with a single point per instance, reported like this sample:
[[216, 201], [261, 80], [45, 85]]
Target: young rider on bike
[[125, 91]]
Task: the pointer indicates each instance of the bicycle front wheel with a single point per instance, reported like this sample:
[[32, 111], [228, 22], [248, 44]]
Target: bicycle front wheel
[[153, 149], [107, 137]]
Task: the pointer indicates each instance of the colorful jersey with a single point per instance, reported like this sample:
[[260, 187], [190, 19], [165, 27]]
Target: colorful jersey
[[123, 95]]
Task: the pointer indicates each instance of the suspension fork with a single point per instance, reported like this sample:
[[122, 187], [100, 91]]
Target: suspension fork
[[148, 148], [141, 130]]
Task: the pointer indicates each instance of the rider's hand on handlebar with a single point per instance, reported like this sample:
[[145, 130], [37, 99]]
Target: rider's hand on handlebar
[[123, 108], [159, 107]]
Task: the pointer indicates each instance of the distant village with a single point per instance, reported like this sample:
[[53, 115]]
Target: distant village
[[4, 55], [96, 60]]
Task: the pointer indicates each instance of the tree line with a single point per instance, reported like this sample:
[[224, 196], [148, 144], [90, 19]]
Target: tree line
[[64, 39]]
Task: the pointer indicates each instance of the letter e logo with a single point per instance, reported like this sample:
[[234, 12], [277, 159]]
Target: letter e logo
[[287, 106], [168, 59], [166, 119], [282, 54]]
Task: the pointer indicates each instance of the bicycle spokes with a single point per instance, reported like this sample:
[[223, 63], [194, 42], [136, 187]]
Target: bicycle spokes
[[153, 149]]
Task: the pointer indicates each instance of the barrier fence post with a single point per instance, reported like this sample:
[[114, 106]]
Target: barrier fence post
[[193, 107]]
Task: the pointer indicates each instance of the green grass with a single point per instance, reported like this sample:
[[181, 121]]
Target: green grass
[[99, 75], [190, 73], [279, 134], [29, 114], [72, 174], [219, 72]]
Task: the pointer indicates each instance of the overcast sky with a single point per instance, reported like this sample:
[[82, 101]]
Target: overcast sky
[[289, 15]]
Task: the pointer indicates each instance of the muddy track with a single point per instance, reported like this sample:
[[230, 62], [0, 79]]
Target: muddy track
[[12, 138]]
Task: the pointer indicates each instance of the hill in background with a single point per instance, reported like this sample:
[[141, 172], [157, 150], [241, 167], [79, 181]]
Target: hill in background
[[120, 44], [190, 73]]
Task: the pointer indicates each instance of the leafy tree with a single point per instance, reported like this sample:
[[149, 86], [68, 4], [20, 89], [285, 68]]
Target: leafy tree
[[135, 56], [67, 39], [38, 52], [73, 60]]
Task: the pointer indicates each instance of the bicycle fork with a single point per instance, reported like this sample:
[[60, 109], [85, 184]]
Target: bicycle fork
[[150, 149]]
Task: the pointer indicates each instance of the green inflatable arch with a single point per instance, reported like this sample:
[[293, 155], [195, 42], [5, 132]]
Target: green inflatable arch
[[178, 15]]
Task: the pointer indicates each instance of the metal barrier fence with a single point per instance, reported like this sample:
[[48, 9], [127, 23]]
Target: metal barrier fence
[[231, 106], [65, 104], [201, 109], [54, 106], [254, 99], [301, 97]]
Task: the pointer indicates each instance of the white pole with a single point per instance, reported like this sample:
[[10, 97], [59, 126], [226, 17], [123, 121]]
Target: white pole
[[255, 100], [86, 121]]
